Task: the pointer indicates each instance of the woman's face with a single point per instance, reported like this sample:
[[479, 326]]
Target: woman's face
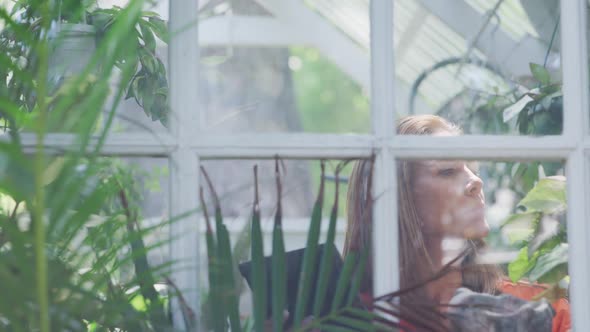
[[449, 199]]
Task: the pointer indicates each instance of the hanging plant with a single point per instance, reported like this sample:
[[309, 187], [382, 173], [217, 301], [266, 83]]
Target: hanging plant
[[75, 32]]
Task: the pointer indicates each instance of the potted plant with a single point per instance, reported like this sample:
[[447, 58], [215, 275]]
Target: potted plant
[[543, 254], [76, 29]]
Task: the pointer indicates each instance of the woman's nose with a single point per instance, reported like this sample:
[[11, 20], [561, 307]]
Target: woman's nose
[[474, 185]]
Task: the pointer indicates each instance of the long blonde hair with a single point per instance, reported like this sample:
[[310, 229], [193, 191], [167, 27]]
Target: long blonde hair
[[415, 262]]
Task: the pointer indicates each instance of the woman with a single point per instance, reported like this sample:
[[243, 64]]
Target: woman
[[436, 200]]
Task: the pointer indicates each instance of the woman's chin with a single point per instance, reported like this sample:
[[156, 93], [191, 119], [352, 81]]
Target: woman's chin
[[477, 230]]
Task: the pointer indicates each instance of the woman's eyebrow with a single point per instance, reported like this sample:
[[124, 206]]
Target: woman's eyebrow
[[446, 163]]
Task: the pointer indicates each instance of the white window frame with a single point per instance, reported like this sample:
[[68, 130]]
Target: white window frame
[[184, 146]]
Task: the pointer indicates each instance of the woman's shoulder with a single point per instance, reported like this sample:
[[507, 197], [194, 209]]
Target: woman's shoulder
[[532, 291]]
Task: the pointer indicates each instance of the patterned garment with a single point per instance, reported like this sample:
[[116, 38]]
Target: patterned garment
[[471, 311]]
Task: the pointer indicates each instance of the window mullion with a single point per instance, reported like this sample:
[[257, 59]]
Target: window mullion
[[575, 127], [184, 179], [574, 59], [385, 231], [578, 231]]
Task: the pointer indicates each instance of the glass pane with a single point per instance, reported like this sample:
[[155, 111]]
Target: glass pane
[[143, 196], [84, 76], [492, 67], [263, 72], [150, 176], [300, 181], [483, 243]]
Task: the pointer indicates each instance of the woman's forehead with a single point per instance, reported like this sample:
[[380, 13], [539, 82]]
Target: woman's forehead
[[445, 163], [438, 163]]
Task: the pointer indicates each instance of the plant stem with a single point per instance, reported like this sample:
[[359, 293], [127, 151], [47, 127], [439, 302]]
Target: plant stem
[[13, 214], [551, 42], [39, 198]]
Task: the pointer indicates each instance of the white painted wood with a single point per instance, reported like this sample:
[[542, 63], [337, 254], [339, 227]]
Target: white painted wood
[[578, 231], [285, 153], [126, 144], [483, 147], [574, 60], [285, 145], [185, 246], [575, 89], [385, 230], [184, 178], [327, 145], [385, 224]]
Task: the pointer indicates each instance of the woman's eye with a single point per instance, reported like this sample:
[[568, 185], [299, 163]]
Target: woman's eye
[[447, 171]]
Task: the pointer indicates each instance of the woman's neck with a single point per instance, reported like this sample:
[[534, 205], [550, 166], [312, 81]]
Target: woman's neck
[[433, 244], [442, 289]]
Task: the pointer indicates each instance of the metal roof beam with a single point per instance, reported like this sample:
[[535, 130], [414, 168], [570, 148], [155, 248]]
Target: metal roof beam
[[331, 42], [248, 31], [295, 24], [513, 56]]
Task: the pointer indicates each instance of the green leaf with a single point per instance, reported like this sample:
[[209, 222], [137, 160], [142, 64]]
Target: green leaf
[[514, 109], [309, 256], [16, 174], [241, 249], [147, 60], [144, 272], [146, 95], [215, 285], [555, 275], [517, 170], [213, 304], [520, 266], [360, 313], [358, 277], [521, 218], [148, 13], [278, 261], [159, 28], [279, 275], [329, 327], [258, 271], [130, 93], [546, 236], [326, 261], [548, 196], [546, 263], [134, 86], [523, 121], [147, 36], [540, 73], [530, 176], [554, 89], [548, 99], [230, 296], [344, 280], [348, 324]]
